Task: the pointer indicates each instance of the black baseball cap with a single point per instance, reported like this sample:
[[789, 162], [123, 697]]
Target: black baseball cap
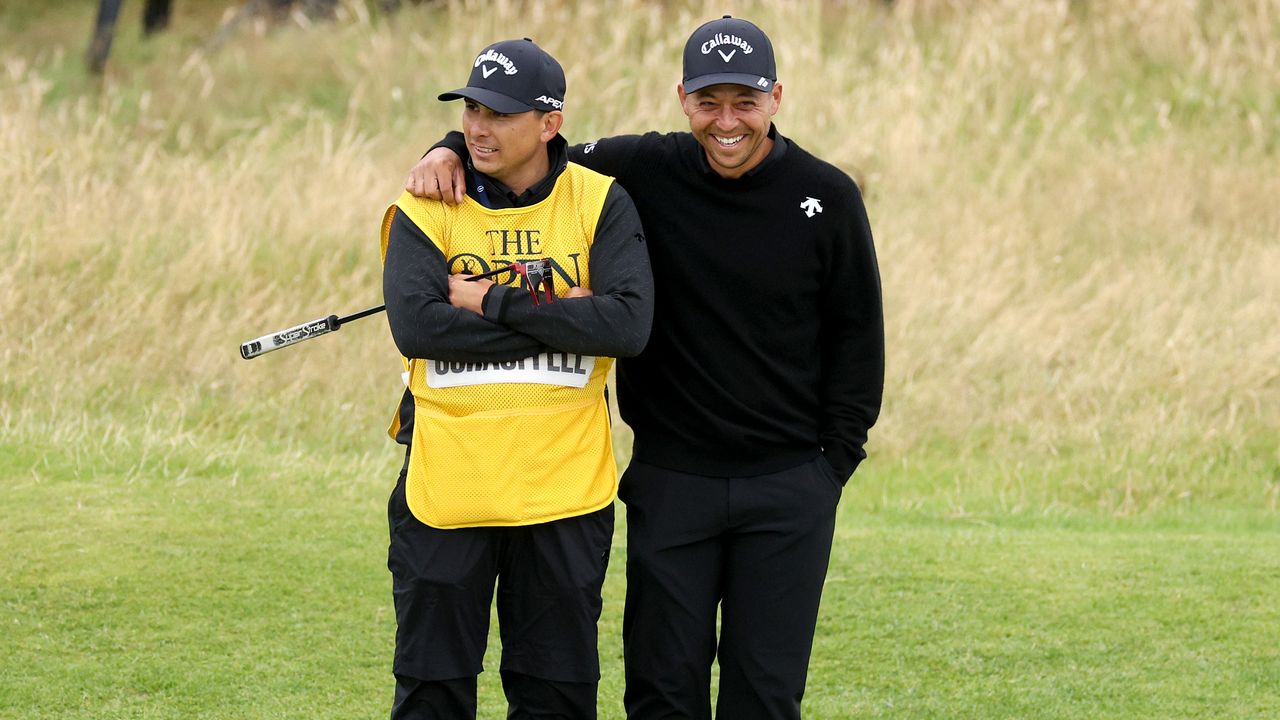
[[514, 76], [729, 50]]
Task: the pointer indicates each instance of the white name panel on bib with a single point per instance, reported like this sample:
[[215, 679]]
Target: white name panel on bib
[[549, 368]]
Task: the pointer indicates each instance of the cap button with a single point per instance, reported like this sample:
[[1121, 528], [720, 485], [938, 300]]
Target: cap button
[[529, 39], [726, 17]]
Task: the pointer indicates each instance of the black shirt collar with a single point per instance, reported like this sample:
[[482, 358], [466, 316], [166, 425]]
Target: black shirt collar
[[778, 150], [496, 196]]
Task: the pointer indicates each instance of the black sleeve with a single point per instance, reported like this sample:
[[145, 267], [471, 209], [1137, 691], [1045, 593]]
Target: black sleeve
[[415, 287], [615, 320], [612, 156], [852, 342], [453, 140]]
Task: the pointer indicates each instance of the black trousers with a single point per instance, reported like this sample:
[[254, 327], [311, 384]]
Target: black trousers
[[548, 579], [758, 548]]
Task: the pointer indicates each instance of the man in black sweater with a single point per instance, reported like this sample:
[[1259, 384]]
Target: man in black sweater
[[752, 400]]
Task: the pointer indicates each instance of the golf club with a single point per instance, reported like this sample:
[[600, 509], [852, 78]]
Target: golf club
[[537, 274], [298, 333]]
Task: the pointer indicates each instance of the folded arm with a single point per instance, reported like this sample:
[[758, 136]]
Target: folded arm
[[415, 285], [615, 320]]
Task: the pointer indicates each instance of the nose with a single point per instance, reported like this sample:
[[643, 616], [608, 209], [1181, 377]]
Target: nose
[[478, 122], [725, 119]]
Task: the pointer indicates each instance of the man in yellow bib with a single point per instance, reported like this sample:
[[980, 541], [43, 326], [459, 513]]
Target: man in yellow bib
[[509, 476]]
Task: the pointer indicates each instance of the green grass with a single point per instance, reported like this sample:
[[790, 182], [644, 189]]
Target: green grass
[[172, 586], [960, 620], [136, 591]]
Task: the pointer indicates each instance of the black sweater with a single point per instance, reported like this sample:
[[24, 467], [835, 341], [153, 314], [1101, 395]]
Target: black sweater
[[768, 337]]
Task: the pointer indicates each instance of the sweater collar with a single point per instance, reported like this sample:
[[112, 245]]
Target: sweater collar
[[494, 195]]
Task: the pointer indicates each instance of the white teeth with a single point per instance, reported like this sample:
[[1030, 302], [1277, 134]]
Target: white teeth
[[730, 142]]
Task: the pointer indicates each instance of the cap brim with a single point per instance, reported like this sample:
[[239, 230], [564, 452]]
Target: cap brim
[[488, 98], [751, 81]]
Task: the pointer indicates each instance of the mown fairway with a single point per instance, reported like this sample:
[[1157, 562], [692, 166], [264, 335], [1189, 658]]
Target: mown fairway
[[1070, 510]]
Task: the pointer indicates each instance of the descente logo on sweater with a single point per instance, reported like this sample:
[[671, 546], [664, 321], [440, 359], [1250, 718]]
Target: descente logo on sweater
[[497, 57]]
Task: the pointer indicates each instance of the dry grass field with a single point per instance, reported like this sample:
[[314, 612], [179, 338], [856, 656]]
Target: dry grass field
[[1072, 203]]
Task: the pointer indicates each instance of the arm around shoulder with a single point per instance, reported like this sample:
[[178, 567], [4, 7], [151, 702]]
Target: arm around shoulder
[[613, 156]]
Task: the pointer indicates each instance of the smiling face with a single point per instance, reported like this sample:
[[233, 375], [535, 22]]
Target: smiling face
[[511, 148], [731, 123]]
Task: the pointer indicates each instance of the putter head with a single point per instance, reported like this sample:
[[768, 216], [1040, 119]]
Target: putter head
[[540, 276]]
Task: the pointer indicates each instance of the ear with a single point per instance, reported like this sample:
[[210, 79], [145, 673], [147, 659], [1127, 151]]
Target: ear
[[776, 94], [685, 99], [551, 124]]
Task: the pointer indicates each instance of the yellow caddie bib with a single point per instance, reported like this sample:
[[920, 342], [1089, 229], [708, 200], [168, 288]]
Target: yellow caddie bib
[[522, 442]]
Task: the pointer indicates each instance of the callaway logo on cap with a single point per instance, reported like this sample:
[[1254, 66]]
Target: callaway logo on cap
[[514, 76], [729, 50]]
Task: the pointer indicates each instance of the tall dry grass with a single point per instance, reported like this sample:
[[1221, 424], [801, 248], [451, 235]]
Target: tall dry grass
[[1074, 207]]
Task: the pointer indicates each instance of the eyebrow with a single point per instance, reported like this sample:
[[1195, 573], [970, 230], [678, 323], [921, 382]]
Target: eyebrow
[[708, 95]]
